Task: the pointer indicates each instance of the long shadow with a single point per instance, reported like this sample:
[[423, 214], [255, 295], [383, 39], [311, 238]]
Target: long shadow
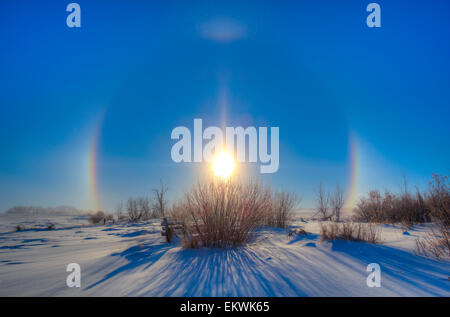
[[241, 272], [34, 240], [136, 255], [216, 272], [12, 247], [41, 230], [416, 271], [303, 237], [111, 229], [246, 272], [131, 234], [199, 272]]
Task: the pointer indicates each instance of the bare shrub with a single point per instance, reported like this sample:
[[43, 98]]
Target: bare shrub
[[350, 231], [369, 208], [282, 211], [224, 213], [177, 213], [404, 208], [133, 211], [190, 242], [336, 203], [437, 242], [143, 206], [323, 200], [97, 217], [438, 200], [159, 200], [407, 208]]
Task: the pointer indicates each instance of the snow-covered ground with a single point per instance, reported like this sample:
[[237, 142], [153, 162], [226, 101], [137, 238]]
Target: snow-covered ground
[[134, 260]]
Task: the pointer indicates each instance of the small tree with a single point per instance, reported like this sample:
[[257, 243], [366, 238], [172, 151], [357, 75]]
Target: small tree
[[144, 208], [323, 200], [159, 200], [337, 202], [133, 210]]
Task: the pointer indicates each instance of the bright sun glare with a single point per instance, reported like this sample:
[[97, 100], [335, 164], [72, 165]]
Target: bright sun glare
[[223, 165]]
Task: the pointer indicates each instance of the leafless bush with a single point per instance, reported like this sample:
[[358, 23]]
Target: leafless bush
[[97, 217], [190, 242], [404, 208], [437, 242], [224, 213], [407, 208], [282, 211], [177, 213], [350, 231], [438, 200], [132, 210], [336, 203], [323, 200], [143, 206], [368, 208], [159, 200]]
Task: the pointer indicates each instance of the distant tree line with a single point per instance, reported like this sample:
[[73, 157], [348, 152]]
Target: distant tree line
[[37, 210]]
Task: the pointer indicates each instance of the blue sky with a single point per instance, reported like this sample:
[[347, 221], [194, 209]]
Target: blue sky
[[135, 70]]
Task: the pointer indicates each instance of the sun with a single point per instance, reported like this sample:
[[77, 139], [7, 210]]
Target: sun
[[223, 165]]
